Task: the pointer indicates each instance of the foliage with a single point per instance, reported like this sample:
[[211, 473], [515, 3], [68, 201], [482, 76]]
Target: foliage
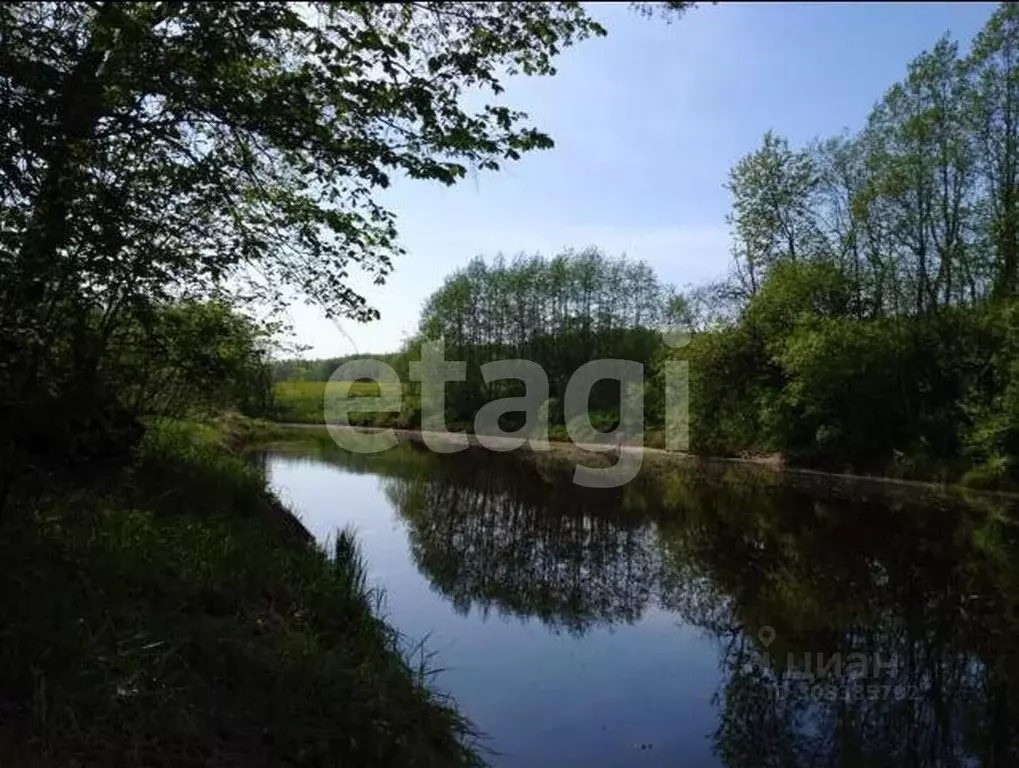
[[875, 281], [559, 313], [926, 396], [190, 355], [917, 209], [772, 190], [169, 94]]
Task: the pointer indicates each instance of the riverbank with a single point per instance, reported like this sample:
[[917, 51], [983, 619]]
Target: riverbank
[[660, 460], [174, 613], [301, 402]]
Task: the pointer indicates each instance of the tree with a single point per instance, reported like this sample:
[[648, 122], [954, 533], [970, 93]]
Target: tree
[[102, 102], [921, 181], [994, 70], [192, 355], [160, 151], [771, 218], [841, 179]]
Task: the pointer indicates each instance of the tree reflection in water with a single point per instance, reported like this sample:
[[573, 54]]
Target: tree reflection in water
[[923, 591], [494, 534]]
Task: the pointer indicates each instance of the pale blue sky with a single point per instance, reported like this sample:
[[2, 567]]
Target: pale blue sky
[[647, 123]]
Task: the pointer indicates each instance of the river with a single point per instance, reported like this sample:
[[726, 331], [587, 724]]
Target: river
[[697, 617]]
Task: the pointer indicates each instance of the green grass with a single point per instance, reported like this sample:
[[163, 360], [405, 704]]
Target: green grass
[[181, 618], [303, 402]]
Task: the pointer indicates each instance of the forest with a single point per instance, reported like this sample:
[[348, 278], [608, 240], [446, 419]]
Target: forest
[[868, 322]]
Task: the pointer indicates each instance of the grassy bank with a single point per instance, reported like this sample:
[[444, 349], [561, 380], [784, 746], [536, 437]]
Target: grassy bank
[[175, 615], [301, 402]]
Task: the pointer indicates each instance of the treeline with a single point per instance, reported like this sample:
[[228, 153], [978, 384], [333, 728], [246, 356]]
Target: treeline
[[515, 305], [872, 322], [298, 369], [917, 210], [558, 312]]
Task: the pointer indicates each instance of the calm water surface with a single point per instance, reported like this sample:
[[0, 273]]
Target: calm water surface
[[678, 621]]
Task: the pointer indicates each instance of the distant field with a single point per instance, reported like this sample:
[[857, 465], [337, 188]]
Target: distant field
[[303, 401]]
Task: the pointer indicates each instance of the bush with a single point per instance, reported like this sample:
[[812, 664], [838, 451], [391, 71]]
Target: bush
[[929, 396]]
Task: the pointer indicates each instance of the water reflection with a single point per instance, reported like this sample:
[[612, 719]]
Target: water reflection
[[911, 604], [496, 535], [919, 599]]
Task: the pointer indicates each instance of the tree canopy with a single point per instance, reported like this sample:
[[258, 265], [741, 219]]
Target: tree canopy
[[920, 207]]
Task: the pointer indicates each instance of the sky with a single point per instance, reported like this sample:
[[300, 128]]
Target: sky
[[647, 123]]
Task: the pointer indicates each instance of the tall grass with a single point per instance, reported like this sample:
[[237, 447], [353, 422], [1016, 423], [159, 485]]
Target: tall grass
[[349, 562], [170, 620]]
